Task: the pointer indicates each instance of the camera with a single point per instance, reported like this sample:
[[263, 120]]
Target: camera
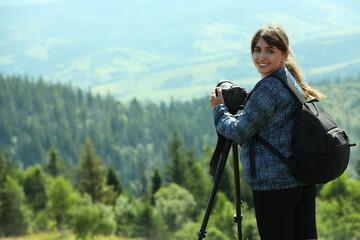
[[234, 96]]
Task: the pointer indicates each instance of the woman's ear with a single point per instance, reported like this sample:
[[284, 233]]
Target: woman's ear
[[285, 57]]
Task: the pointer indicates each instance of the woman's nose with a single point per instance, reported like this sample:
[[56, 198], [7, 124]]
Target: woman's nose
[[261, 56]]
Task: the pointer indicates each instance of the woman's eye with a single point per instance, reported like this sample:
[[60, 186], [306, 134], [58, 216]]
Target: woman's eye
[[270, 51]]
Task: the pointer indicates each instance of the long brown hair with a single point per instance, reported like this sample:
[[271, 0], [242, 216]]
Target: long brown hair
[[274, 35]]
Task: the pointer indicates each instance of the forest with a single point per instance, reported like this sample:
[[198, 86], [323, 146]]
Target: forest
[[74, 161]]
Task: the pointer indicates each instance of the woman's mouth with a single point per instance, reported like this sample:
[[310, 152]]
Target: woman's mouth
[[262, 65]]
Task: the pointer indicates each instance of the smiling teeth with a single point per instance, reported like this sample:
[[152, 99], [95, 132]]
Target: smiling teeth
[[262, 65]]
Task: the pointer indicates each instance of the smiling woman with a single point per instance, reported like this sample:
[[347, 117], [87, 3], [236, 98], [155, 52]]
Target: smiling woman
[[271, 43], [284, 206], [267, 59]]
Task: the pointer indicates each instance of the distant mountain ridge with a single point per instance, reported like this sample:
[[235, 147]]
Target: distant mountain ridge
[[134, 137], [161, 49]]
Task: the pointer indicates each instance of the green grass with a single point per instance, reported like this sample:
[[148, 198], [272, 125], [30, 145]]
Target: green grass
[[65, 235]]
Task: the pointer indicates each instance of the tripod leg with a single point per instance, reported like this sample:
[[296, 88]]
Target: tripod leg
[[202, 232], [238, 215]]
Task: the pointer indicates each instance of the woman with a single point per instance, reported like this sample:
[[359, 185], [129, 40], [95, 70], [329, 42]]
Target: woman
[[284, 207]]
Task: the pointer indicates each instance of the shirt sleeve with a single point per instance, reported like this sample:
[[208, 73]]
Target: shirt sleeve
[[262, 105]]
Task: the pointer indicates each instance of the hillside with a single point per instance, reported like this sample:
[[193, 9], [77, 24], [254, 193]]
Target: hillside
[[161, 49], [36, 116], [133, 138]]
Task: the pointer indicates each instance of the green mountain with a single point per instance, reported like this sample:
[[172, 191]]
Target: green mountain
[[132, 137], [160, 49]]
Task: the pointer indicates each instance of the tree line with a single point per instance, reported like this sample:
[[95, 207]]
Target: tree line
[[36, 116], [132, 137], [93, 200], [74, 160]]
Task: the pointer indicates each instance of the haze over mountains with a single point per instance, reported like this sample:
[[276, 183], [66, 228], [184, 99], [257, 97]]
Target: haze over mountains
[[161, 48]]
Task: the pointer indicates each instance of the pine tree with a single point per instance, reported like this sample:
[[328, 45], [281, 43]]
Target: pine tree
[[89, 173], [113, 187], [7, 168], [144, 191], [196, 181], [54, 166], [156, 182], [357, 166], [149, 225], [34, 188], [112, 179], [176, 167], [12, 211], [13, 214]]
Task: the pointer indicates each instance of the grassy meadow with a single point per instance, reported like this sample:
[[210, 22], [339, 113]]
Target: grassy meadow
[[62, 235]]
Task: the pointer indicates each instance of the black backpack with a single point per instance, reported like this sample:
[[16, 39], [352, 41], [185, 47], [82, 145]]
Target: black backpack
[[321, 148]]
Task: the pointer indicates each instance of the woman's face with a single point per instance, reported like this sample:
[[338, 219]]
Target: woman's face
[[267, 59]]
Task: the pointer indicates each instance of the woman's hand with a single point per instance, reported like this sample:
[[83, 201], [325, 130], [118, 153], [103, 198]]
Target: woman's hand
[[215, 100]]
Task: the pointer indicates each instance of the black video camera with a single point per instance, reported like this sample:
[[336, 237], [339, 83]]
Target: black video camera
[[234, 96]]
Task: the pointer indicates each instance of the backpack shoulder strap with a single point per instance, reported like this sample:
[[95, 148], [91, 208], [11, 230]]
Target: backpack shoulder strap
[[268, 145], [287, 82], [272, 149], [290, 86]]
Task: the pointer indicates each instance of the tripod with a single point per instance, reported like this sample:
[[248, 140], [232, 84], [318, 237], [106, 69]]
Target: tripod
[[219, 171]]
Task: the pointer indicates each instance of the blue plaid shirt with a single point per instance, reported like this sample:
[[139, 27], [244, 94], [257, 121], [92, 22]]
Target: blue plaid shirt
[[269, 112]]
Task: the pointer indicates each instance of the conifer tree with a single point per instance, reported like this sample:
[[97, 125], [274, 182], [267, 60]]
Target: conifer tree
[[34, 188], [156, 180], [144, 191], [113, 187], [90, 176], [7, 168], [176, 167], [112, 179], [196, 181], [357, 166], [54, 166], [148, 224], [12, 211], [13, 214]]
